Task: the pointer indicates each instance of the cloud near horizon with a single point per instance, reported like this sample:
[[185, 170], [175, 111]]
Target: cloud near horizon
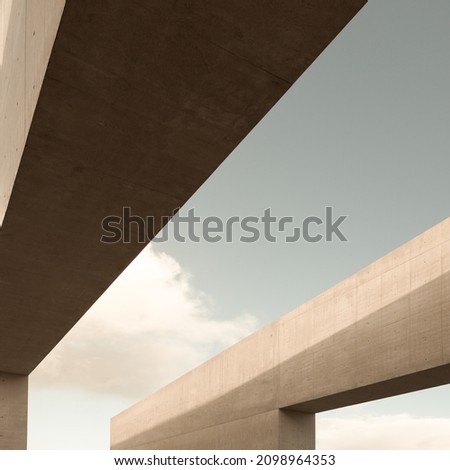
[[383, 432], [148, 328]]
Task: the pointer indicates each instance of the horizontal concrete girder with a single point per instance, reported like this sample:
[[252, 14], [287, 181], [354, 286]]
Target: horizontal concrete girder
[[141, 101], [381, 332]]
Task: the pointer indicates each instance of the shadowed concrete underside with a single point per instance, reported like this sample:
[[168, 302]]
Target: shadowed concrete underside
[[140, 103], [382, 332]]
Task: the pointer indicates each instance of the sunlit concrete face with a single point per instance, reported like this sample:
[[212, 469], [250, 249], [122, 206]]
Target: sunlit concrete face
[[382, 332], [27, 33]]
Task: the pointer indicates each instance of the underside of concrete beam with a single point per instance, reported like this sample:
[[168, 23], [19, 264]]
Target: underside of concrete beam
[[140, 103]]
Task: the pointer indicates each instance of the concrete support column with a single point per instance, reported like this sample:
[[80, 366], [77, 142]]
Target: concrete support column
[[13, 411], [297, 430]]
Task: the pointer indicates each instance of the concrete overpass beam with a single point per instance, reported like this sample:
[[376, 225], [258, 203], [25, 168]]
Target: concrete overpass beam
[[379, 333]]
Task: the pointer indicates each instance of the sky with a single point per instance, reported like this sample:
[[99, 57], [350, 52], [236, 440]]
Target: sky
[[366, 130]]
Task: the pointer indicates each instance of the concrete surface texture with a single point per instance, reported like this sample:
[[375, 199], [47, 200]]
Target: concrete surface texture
[[27, 33], [13, 411], [382, 332], [141, 101]]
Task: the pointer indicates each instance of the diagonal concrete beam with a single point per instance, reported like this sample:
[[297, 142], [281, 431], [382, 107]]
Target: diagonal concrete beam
[[141, 101]]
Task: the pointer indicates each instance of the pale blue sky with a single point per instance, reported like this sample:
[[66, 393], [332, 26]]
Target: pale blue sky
[[366, 130]]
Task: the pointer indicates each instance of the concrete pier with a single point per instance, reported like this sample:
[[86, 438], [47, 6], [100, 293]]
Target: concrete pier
[[13, 411]]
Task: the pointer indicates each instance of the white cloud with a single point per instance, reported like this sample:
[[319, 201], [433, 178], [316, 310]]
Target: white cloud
[[386, 432], [148, 328]]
